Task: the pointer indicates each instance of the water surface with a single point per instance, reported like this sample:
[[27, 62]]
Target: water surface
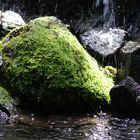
[[102, 126]]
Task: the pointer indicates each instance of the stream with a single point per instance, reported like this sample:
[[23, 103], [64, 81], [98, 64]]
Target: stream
[[100, 126]]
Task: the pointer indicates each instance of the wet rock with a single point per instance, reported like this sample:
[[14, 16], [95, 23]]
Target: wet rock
[[86, 121], [103, 43], [125, 96], [130, 54], [10, 20]]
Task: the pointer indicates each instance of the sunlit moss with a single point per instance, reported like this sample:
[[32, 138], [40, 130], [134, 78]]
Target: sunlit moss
[[110, 71], [44, 56]]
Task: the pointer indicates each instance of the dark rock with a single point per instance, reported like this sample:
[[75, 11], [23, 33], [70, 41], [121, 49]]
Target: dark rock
[[130, 54], [126, 96], [127, 16]]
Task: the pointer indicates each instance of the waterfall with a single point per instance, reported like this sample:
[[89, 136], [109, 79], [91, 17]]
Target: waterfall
[[103, 39], [98, 2], [108, 13]]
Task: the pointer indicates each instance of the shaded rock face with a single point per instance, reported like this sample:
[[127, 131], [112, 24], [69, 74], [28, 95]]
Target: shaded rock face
[[46, 65], [127, 15], [130, 54], [112, 13], [51, 7], [125, 96]]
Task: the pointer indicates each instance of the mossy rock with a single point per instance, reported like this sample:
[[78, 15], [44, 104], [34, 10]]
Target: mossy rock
[[5, 99], [44, 64], [6, 102]]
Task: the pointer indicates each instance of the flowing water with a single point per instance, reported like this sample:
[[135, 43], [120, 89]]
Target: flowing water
[[102, 126]]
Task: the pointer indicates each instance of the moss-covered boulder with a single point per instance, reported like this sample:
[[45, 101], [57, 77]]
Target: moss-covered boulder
[[45, 65]]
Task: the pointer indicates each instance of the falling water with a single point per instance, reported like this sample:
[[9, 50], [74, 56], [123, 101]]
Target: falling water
[[98, 2], [108, 13], [103, 38]]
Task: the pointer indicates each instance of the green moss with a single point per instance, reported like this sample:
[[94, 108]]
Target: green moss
[[110, 71], [44, 56], [5, 99]]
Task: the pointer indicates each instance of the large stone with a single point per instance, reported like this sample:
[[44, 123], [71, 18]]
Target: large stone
[[130, 54], [125, 96], [46, 65], [103, 43]]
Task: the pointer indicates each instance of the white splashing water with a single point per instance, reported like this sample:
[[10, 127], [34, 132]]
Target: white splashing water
[[104, 42]]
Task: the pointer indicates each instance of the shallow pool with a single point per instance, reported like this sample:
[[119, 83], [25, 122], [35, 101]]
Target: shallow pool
[[100, 126]]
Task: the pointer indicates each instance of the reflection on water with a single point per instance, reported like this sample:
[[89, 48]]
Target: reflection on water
[[101, 126]]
